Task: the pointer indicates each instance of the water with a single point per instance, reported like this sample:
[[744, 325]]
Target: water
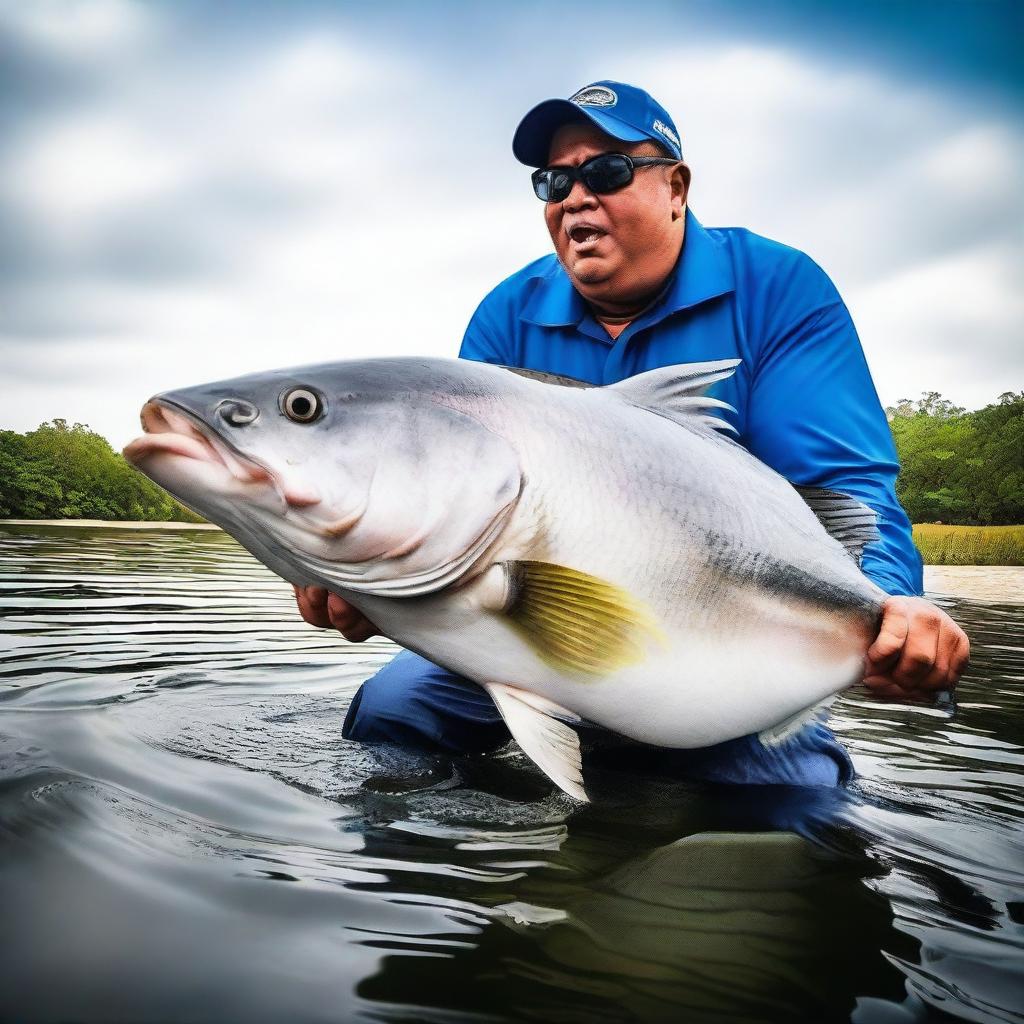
[[184, 835]]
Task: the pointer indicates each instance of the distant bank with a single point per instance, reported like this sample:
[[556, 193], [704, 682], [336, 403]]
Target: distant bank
[[978, 582], [117, 524], [939, 544]]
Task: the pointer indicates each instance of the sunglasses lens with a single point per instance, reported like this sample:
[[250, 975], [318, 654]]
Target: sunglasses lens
[[604, 173], [552, 185], [561, 186], [607, 173]]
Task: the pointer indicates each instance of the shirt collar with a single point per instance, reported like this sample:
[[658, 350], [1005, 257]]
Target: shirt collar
[[702, 273]]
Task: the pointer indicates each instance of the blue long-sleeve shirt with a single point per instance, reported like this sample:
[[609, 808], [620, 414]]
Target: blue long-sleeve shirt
[[804, 399]]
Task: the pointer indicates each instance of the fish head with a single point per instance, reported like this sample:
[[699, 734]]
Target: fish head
[[347, 474]]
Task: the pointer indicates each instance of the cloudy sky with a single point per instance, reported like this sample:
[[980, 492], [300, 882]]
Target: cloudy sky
[[191, 191]]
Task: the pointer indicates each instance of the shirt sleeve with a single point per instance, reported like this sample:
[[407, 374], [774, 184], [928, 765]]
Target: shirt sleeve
[[484, 341], [814, 416]]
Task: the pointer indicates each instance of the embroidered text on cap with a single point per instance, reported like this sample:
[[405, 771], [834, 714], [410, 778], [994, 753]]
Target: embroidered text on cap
[[663, 129], [594, 96]]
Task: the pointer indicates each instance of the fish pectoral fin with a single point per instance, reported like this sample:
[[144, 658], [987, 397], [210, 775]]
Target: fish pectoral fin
[[577, 622], [551, 744], [778, 734]]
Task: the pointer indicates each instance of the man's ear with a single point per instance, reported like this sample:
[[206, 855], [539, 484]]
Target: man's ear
[[680, 184]]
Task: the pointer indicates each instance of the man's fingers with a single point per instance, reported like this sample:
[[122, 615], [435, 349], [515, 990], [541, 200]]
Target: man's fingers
[[884, 687], [961, 655], [360, 631], [938, 675], [312, 602], [892, 635], [349, 621], [950, 657], [326, 610], [340, 612], [919, 651]]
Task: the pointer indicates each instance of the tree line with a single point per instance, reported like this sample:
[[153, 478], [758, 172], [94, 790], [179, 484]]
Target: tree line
[[958, 467], [59, 471]]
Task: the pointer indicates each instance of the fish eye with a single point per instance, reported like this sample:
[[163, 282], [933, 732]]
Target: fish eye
[[302, 405]]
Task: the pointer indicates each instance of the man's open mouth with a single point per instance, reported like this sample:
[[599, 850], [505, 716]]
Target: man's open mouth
[[582, 234]]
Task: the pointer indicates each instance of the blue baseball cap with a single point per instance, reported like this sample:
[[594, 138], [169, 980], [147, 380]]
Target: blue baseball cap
[[622, 111]]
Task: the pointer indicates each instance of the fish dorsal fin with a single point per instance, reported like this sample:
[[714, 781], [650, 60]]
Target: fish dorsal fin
[[576, 622], [849, 521], [548, 378], [677, 392], [551, 744]]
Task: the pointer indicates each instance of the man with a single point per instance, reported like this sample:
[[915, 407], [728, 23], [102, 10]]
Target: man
[[636, 282]]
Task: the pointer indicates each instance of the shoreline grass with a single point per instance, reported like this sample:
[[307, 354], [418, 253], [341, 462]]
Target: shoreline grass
[[969, 545]]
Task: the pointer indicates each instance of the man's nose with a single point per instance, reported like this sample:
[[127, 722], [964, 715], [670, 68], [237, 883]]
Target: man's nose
[[580, 198]]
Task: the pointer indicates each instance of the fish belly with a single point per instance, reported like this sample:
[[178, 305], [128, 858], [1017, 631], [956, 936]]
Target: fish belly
[[695, 690], [698, 697]]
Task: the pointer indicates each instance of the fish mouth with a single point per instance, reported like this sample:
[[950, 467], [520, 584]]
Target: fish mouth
[[171, 430]]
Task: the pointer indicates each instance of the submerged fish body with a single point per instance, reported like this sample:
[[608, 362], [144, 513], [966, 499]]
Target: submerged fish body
[[590, 553]]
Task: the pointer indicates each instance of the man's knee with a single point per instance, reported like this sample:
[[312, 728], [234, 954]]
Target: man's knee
[[814, 757], [415, 703], [377, 710]]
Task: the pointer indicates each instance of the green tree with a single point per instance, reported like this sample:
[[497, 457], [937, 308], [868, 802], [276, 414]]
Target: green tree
[[960, 467], [62, 471], [957, 467]]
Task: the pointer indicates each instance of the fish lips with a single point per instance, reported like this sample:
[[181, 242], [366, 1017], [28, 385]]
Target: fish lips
[[172, 429]]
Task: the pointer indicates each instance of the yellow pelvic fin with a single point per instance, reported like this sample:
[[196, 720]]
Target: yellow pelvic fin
[[577, 622]]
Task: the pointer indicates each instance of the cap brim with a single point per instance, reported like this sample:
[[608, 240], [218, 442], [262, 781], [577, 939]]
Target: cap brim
[[532, 140]]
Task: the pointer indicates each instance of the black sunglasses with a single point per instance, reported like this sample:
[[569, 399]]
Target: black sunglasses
[[604, 173]]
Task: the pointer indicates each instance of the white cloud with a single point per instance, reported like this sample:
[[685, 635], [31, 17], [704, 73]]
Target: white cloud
[[976, 164], [83, 29], [908, 197], [307, 196], [952, 325], [94, 164]]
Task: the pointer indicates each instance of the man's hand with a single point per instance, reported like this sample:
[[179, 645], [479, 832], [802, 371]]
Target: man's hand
[[919, 651], [320, 608]]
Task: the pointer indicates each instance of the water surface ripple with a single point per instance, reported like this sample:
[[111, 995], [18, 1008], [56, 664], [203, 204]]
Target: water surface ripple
[[184, 835]]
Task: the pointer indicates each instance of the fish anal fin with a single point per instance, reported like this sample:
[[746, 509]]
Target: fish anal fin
[[778, 734], [551, 744], [846, 519], [577, 622]]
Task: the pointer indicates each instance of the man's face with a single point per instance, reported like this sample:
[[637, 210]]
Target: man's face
[[618, 248]]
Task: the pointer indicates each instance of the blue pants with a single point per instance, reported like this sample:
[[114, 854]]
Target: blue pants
[[414, 703]]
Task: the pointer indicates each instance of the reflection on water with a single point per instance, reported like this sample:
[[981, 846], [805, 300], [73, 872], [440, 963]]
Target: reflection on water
[[185, 836]]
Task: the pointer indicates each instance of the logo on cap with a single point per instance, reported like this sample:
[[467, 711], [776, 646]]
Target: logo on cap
[[594, 96], [663, 129]]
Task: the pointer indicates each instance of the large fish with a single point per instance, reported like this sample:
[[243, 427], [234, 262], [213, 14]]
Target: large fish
[[597, 553]]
